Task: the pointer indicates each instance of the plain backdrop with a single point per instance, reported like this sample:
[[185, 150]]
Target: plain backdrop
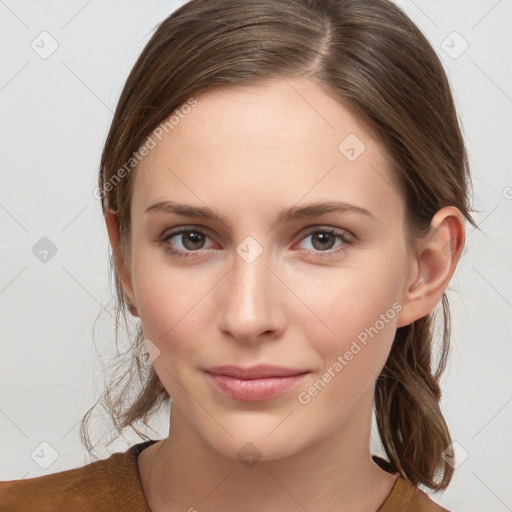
[[63, 64]]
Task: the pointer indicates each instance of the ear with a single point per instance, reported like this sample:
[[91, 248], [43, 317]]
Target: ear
[[436, 261], [122, 268]]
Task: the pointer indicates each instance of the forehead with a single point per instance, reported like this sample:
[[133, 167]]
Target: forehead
[[266, 144]]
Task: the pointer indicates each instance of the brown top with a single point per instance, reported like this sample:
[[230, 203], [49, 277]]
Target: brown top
[[113, 485]]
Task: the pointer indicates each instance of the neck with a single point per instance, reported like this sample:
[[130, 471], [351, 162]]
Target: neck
[[185, 473]]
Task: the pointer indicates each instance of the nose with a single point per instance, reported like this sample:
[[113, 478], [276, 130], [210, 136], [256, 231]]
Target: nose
[[252, 302]]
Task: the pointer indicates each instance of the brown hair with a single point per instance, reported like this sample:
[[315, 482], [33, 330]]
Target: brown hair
[[371, 56]]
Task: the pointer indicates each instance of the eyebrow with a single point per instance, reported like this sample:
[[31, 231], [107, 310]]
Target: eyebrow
[[288, 214]]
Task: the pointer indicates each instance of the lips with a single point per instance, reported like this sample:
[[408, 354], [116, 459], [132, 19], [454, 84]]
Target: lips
[[261, 371], [256, 383]]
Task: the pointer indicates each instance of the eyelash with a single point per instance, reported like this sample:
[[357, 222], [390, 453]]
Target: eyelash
[[347, 242]]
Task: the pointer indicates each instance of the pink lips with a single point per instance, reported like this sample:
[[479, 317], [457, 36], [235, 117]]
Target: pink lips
[[256, 383]]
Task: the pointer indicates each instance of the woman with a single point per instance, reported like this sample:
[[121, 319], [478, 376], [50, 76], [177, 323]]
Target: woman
[[284, 186]]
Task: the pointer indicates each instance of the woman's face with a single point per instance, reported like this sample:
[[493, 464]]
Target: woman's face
[[269, 283]]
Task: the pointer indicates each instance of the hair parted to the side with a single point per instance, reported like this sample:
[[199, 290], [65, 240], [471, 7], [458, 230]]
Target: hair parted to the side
[[371, 56]]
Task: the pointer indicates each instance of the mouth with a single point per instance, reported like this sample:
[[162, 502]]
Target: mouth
[[254, 384]]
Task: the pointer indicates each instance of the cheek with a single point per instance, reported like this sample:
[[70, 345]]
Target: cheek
[[175, 309], [360, 306], [168, 307], [351, 301], [158, 290], [364, 311], [364, 325]]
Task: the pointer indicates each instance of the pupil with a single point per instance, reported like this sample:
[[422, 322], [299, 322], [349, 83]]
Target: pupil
[[324, 238], [194, 238]]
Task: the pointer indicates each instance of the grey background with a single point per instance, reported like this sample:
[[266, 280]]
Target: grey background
[[55, 113]]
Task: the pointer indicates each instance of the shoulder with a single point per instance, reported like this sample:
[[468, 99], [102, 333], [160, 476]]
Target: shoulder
[[104, 485], [405, 497]]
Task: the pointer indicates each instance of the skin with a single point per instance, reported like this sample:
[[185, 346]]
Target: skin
[[250, 152]]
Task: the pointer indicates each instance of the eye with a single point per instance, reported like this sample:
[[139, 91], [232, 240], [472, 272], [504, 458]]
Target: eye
[[187, 242], [324, 239]]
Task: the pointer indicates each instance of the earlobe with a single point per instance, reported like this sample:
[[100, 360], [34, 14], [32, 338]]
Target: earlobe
[[123, 273], [437, 260]]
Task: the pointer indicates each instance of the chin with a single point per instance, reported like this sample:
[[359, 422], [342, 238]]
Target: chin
[[251, 443]]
